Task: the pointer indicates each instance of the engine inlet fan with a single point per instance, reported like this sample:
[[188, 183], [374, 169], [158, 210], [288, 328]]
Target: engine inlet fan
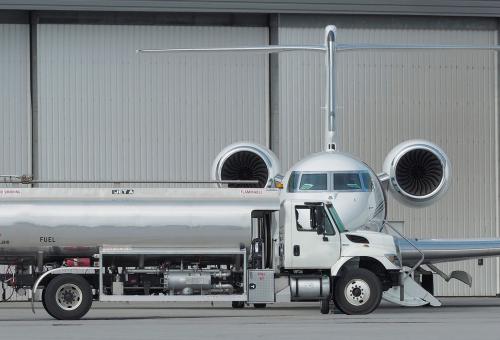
[[246, 161], [245, 165], [418, 172]]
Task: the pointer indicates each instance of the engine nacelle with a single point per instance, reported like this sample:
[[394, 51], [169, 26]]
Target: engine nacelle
[[418, 172], [246, 161]]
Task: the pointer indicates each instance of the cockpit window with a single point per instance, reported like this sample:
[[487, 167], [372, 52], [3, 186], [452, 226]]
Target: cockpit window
[[367, 181], [293, 182], [347, 181], [331, 181], [314, 182]]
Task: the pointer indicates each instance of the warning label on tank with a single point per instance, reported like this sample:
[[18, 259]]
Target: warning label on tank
[[10, 192], [122, 191], [252, 191]]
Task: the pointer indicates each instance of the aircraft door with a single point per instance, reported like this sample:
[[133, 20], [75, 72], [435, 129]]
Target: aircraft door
[[315, 240]]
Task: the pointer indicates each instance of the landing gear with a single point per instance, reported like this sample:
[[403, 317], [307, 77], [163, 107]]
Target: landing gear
[[325, 306], [67, 297], [359, 291], [238, 304]]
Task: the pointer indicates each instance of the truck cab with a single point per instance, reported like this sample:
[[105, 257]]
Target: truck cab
[[314, 244], [311, 237]]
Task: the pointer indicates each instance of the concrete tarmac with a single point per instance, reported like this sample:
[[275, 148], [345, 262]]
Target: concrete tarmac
[[459, 318]]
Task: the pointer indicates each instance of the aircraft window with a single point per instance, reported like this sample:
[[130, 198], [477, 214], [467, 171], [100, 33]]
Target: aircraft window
[[347, 181], [367, 181], [314, 182], [293, 182], [305, 219]]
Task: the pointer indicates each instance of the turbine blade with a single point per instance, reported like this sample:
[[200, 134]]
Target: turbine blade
[[244, 49]]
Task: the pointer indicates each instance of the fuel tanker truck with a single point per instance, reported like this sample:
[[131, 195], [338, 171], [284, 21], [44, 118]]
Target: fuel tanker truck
[[247, 246], [314, 234]]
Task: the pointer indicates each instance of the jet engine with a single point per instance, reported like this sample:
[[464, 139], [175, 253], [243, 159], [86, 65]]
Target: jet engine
[[246, 161], [418, 172]]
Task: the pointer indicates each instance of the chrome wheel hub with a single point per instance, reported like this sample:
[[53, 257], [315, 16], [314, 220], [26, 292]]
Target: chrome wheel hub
[[357, 292], [69, 296]]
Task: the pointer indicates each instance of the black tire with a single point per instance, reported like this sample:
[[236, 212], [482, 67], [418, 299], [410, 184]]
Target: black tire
[[44, 305], [337, 306], [325, 306], [238, 304], [259, 305], [67, 297], [357, 291]]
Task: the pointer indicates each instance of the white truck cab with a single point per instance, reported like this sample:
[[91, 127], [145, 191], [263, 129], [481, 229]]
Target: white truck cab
[[360, 264], [310, 235]]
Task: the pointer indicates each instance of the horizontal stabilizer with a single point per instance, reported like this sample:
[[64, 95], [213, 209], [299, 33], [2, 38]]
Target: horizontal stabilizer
[[243, 49], [351, 47], [267, 49]]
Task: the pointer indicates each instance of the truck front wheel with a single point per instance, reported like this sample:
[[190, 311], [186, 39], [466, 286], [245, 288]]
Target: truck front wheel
[[67, 297], [358, 291]]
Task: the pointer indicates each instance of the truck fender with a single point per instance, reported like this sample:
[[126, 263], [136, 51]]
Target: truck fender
[[388, 265], [56, 271]]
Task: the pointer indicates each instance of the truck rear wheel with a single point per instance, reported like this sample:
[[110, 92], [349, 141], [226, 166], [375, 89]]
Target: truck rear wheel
[[67, 297], [44, 305], [238, 304], [259, 305], [358, 291]]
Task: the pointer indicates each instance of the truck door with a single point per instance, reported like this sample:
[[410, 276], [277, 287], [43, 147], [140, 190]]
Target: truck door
[[310, 249]]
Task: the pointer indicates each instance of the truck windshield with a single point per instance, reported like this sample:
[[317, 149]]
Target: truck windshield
[[336, 218]]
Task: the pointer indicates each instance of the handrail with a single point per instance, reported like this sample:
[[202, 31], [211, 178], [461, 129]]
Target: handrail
[[412, 270], [26, 179]]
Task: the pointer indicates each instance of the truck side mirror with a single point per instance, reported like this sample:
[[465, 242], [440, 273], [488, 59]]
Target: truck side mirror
[[319, 219], [320, 229]]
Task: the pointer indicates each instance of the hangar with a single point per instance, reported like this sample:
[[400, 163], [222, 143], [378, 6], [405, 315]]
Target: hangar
[[77, 102]]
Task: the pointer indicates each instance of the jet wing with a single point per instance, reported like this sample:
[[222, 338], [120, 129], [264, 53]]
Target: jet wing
[[437, 250]]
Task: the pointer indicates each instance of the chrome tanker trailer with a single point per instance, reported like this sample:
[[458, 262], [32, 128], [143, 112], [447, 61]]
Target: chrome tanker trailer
[[241, 245]]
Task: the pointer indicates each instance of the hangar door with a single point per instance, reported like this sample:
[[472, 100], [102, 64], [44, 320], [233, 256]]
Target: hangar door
[[106, 112], [14, 107], [14, 100]]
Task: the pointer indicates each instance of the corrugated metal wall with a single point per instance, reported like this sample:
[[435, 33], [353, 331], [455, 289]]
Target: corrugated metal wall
[[106, 112], [14, 100], [387, 97]]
